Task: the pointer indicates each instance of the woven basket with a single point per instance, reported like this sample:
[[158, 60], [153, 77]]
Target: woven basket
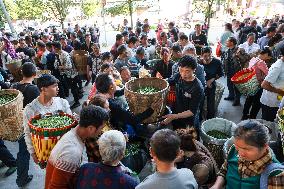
[[138, 103], [15, 69], [11, 115], [80, 59], [246, 81], [215, 146], [44, 139]]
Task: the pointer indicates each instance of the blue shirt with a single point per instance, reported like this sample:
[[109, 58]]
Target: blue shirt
[[101, 176]]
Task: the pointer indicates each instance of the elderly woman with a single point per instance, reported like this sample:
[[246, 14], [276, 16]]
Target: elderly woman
[[109, 173], [248, 158]]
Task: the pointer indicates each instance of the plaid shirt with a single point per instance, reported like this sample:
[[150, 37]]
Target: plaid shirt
[[248, 169]]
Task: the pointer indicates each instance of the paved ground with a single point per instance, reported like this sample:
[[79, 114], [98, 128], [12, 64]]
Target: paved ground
[[226, 110]]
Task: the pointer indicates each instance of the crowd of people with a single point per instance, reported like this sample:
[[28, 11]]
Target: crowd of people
[[190, 67]]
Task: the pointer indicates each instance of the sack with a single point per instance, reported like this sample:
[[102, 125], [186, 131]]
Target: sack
[[218, 50], [267, 171]]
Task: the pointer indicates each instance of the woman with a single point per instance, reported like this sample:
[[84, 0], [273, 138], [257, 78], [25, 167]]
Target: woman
[[163, 67], [224, 37], [247, 159], [107, 58], [252, 104], [109, 173], [196, 157], [94, 62]]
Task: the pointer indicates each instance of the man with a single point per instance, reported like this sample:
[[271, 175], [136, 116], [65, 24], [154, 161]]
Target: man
[[213, 71], [118, 41], [272, 87], [64, 44], [66, 156], [132, 46], [249, 46], [30, 92], [66, 73], [87, 46], [94, 62], [198, 39], [137, 61], [183, 41], [41, 55], [263, 41], [47, 102], [163, 68], [165, 42], [233, 64], [122, 58], [45, 38], [189, 93], [22, 46], [164, 149], [125, 74], [176, 56], [73, 37], [249, 28]]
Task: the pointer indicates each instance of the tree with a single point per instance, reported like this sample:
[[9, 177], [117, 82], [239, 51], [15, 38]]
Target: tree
[[30, 9], [11, 8], [89, 7], [58, 9]]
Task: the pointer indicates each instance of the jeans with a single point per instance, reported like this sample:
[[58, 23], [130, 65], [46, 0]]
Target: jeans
[[233, 91], [5, 156], [23, 160], [252, 105]]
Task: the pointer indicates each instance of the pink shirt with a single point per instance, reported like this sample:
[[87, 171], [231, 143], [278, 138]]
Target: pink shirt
[[260, 67]]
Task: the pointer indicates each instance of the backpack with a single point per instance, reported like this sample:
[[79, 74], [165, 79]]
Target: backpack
[[267, 171]]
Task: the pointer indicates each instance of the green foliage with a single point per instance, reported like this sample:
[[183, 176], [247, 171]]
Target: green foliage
[[118, 9], [89, 7], [30, 9], [12, 8]]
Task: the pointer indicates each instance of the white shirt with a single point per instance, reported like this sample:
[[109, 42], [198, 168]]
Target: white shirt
[[68, 152], [250, 49], [276, 78], [35, 108]]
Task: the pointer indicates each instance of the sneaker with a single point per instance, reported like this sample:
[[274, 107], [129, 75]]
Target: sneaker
[[10, 171], [22, 184], [75, 105]]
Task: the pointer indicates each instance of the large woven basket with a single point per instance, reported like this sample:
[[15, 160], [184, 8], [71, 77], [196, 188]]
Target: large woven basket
[[214, 145], [44, 139], [272, 130], [246, 81], [80, 59], [138, 103], [15, 69], [11, 115]]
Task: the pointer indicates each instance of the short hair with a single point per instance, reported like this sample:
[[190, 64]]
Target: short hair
[[123, 68], [121, 49], [171, 24], [103, 82], [57, 45], [253, 133], [73, 34], [281, 50], [77, 45], [118, 37], [233, 40], [106, 55], [93, 115], [105, 66], [124, 33], [271, 29], [189, 47], [96, 45], [98, 100], [140, 50], [49, 44], [250, 35], [176, 48], [46, 80], [162, 34], [165, 143], [41, 44], [29, 69], [267, 51], [187, 137], [188, 61], [143, 35], [132, 39], [112, 145], [183, 37], [206, 50]]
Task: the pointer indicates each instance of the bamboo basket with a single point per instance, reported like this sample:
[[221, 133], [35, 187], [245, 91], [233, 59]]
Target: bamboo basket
[[44, 139], [15, 69], [138, 103], [80, 59], [11, 116], [214, 145]]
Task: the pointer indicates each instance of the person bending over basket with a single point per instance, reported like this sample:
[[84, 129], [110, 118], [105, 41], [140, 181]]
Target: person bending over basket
[[247, 159], [66, 156], [47, 102]]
